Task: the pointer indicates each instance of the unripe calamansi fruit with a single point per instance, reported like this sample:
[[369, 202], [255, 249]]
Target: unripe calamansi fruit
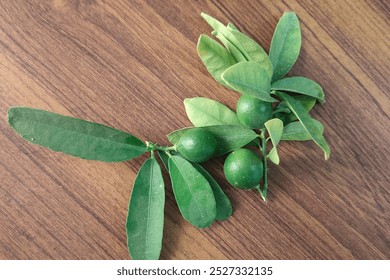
[[253, 112], [243, 169], [197, 145]]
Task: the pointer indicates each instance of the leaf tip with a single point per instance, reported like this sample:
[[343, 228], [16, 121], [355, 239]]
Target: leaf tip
[[205, 16], [203, 39], [10, 114], [290, 13]]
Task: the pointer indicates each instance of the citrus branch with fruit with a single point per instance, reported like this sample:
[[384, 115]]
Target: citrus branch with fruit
[[271, 108]]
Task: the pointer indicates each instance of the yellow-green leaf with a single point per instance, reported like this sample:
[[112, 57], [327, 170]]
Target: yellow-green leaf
[[215, 57], [275, 130], [205, 112], [249, 78]]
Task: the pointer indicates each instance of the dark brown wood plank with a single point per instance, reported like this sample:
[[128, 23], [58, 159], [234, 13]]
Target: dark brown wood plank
[[129, 64]]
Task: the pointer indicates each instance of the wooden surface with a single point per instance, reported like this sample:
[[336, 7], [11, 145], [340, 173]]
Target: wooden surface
[[130, 64]]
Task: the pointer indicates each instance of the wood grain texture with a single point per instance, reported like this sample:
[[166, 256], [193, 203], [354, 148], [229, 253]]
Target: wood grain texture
[[129, 64]]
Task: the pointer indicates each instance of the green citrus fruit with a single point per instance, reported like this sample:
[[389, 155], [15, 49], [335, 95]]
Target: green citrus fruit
[[197, 145], [243, 169], [253, 112]]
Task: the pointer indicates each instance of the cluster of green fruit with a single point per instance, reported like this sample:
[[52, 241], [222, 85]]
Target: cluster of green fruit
[[242, 65], [243, 168]]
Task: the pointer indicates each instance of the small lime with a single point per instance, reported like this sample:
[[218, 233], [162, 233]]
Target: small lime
[[243, 169], [253, 112], [197, 145]]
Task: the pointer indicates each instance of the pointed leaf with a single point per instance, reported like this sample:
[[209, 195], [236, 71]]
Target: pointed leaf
[[231, 26], [285, 45], [193, 193], [205, 112], [222, 29], [229, 137], [255, 52], [215, 57], [164, 158], [236, 53], [223, 206], [275, 130], [306, 101], [249, 78], [300, 85], [73, 136], [145, 219], [296, 132], [307, 122]]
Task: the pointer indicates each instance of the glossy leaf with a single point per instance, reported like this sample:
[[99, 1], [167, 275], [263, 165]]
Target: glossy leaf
[[307, 122], [205, 112], [285, 45], [300, 85], [275, 130], [306, 101], [255, 52], [249, 78], [193, 193], [296, 132], [73, 136], [145, 219], [164, 158], [215, 57], [236, 53], [229, 137], [223, 207]]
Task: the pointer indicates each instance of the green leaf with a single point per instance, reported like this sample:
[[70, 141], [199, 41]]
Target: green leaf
[[214, 23], [215, 57], [229, 137], [164, 158], [74, 136], [285, 45], [145, 219], [296, 132], [240, 45], [193, 193], [222, 29], [306, 101], [300, 85], [236, 53], [275, 130], [205, 112], [231, 26], [223, 206], [255, 52], [249, 78], [310, 125]]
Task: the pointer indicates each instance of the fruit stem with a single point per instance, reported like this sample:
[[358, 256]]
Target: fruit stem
[[153, 147], [264, 152], [166, 149]]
